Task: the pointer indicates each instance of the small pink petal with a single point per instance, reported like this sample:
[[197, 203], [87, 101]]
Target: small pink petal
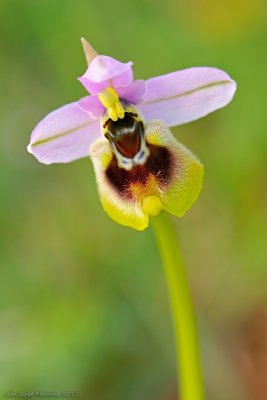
[[134, 93], [105, 71], [64, 135], [187, 95], [92, 105]]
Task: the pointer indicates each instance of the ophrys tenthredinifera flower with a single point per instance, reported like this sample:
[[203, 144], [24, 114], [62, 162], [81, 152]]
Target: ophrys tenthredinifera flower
[[124, 126]]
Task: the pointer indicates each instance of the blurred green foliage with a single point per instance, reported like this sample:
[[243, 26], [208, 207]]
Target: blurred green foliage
[[83, 303]]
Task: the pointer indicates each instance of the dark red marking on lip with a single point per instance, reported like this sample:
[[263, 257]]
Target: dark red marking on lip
[[125, 133], [160, 165], [128, 144]]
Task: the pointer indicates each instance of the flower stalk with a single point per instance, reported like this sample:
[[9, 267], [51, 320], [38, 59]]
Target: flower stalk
[[188, 356]]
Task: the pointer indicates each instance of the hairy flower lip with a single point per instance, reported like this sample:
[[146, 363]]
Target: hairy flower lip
[[172, 175]]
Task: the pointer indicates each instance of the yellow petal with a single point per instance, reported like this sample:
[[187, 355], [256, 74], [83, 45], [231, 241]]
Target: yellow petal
[[187, 173]]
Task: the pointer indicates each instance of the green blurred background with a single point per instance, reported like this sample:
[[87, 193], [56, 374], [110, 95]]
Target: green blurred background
[[83, 302]]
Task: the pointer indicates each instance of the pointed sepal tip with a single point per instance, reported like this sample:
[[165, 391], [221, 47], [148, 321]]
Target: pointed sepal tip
[[89, 51]]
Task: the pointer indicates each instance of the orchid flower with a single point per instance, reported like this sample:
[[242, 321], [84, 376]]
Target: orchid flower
[[124, 126]]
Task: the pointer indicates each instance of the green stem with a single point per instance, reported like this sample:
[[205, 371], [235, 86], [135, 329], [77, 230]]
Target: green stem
[[190, 377]]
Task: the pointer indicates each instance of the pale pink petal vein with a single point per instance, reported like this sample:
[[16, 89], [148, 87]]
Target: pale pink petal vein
[[187, 95], [64, 135]]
